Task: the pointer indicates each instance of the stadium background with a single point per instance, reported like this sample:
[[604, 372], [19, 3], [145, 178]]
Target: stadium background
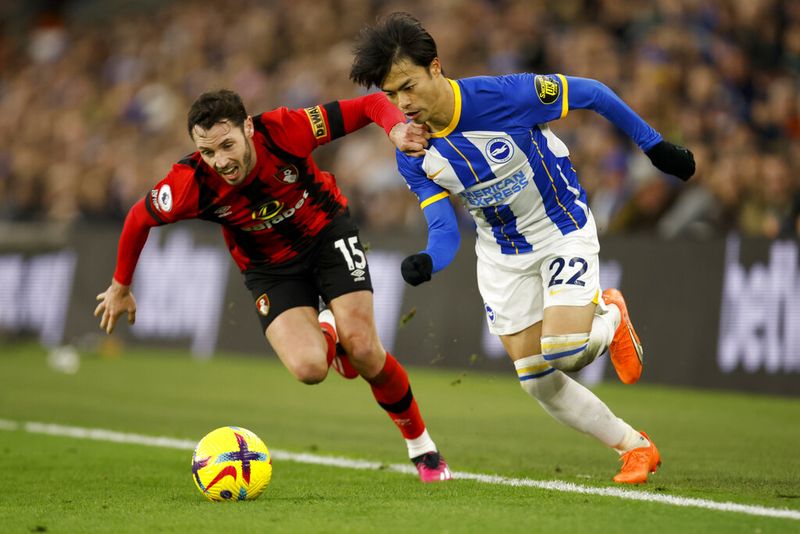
[[92, 103]]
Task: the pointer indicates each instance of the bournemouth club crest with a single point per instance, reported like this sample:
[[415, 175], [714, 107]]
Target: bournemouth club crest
[[262, 305], [287, 174]]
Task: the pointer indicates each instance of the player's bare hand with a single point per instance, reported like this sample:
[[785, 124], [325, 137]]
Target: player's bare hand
[[115, 301], [410, 138]]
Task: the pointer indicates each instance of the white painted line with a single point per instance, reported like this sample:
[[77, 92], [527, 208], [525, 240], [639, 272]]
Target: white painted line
[[99, 434], [8, 425]]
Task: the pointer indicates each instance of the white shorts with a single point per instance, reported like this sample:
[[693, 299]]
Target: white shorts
[[565, 272]]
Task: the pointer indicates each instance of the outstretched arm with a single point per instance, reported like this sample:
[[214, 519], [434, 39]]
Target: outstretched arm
[[408, 137], [585, 93], [118, 298], [300, 131]]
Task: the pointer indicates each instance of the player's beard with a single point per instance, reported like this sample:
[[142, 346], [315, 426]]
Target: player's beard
[[247, 160], [245, 166]]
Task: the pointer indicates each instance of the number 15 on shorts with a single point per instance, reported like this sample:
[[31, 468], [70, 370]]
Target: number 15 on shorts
[[353, 255]]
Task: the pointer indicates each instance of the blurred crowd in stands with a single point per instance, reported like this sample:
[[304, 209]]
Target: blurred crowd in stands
[[94, 94]]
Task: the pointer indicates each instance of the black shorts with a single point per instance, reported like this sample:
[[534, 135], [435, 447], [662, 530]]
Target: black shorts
[[334, 266]]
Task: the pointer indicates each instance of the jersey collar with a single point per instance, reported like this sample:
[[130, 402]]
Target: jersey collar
[[456, 111]]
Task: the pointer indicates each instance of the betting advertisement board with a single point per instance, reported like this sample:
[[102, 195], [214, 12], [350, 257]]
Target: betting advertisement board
[[723, 313]]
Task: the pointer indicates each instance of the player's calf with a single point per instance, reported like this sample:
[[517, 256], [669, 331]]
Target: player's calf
[[568, 352]]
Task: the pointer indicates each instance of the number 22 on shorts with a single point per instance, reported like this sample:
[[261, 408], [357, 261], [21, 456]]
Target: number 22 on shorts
[[573, 268]]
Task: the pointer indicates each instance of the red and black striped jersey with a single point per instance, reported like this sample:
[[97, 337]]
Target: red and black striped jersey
[[282, 205]]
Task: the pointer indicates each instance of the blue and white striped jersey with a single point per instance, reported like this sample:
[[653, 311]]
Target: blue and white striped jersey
[[511, 172]]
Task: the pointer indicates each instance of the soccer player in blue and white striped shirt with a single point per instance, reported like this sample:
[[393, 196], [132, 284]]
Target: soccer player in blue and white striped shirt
[[536, 246]]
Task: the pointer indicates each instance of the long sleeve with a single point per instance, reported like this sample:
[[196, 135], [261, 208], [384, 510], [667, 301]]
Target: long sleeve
[[131, 242], [300, 131], [585, 93], [375, 107], [443, 235]]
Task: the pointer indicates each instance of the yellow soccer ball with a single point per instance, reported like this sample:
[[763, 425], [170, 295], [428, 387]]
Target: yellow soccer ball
[[231, 464]]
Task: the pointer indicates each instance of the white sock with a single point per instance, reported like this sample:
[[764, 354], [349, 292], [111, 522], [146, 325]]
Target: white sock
[[632, 440], [569, 402], [604, 324], [420, 445]]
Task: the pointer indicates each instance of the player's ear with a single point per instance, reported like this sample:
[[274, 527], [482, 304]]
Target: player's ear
[[435, 67], [248, 126]]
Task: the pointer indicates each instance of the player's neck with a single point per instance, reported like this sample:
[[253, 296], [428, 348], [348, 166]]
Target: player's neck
[[444, 108]]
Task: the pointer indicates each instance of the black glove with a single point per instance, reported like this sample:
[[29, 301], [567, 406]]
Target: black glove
[[417, 268], [672, 159]]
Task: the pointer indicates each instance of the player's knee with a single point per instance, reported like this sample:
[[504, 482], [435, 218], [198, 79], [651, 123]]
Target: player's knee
[[309, 372], [361, 347], [567, 352]]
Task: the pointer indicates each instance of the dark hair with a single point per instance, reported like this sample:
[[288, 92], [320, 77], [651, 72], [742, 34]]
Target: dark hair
[[390, 39], [216, 106]]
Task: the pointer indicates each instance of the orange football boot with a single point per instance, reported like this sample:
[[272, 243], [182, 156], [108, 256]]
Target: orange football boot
[[638, 463], [626, 349]]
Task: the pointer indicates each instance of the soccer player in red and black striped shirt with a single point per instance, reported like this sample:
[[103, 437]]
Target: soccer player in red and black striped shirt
[[287, 226]]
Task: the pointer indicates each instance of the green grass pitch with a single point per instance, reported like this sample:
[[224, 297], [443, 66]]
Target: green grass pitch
[[722, 447]]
